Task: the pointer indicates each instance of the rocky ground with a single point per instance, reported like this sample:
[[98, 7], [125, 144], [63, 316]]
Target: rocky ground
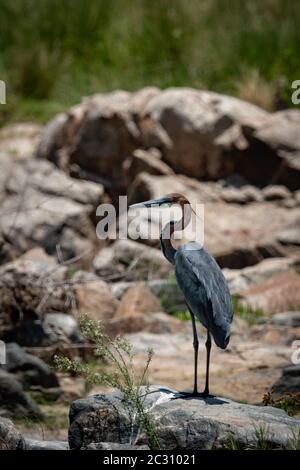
[[241, 162]]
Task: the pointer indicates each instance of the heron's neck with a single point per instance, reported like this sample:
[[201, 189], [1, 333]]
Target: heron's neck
[[179, 225]]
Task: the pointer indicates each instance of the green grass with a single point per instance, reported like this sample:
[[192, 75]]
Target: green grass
[[251, 316], [54, 418], [294, 443], [263, 441], [43, 398], [171, 297], [54, 51], [183, 315], [19, 108]]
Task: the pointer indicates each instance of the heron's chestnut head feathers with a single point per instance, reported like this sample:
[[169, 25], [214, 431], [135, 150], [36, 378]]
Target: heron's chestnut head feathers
[[178, 198]]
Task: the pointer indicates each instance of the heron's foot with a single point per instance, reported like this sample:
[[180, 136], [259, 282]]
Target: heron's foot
[[194, 394], [206, 395]]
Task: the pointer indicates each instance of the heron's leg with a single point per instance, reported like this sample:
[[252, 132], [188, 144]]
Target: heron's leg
[[196, 347], [208, 348]]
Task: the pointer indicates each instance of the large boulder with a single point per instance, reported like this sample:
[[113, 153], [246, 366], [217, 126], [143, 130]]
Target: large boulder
[[180, 424], [208, 135], [97, 135], [41, 205], [199, 133], [199, 130]]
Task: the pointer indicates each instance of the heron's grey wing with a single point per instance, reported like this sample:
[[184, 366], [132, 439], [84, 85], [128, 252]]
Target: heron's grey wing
[[204, 285]]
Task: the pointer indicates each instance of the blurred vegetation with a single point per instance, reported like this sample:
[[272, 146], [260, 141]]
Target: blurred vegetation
[[289, 402], [54, 418], [263, 442], [118, 353], [251, 316], [52, 52]]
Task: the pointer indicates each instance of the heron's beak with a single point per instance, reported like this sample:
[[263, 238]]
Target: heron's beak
[[152, 203]]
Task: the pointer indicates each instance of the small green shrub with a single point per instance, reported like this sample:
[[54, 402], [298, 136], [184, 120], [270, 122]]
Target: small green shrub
[[120, 373]]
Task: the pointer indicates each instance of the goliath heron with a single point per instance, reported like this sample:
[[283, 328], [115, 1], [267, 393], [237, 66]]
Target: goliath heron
[[201, 281]]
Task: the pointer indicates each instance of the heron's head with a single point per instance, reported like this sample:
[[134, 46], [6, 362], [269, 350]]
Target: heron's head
[[168, 200]]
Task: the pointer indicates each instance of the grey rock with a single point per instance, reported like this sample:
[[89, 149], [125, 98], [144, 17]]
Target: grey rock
[[13, 400], [10, 438], [181, 424], [49, 208], [243, 195], [289, 236], [145, 161], [63, 326], [240, 280], [278, 136], [167, 344], [97, 135], [289, 382], [34, 298], [30, 370], [276, 192], [289, 319], [297, 196], [119, 288], [198, 124], [115, 446], [53, 137], [117, 259], [33, 444]]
